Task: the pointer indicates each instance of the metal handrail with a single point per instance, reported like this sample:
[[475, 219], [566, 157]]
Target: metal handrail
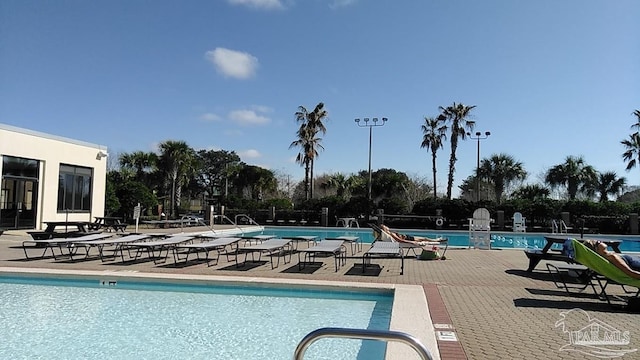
[[363, 334]]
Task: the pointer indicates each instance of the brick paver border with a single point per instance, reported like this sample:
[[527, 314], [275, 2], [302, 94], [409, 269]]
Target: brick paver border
[[449, 349]]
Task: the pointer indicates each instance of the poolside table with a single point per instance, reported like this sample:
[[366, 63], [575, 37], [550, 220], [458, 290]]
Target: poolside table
[[535, 255], [304, 238]]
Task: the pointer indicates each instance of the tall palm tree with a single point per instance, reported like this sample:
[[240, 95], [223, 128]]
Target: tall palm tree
[[177, 163], [457, 115], [435, 132], [574, 173], [632, 153], [636, 126], [311, 123], [609, 184], [501, 170]]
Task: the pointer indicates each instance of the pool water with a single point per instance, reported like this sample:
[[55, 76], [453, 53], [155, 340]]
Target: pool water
[[90, 319], [504, 240]]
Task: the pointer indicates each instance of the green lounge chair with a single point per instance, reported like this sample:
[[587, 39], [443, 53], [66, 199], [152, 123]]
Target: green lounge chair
[[605, 272]]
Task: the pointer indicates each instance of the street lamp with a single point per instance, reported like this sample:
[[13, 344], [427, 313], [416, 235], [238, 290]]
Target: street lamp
[[478, 136], [370, 125]]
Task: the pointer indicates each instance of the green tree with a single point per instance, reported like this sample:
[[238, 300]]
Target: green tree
[[434, 133], [142, 164], [458, 116], [531, 192], [253, 182], [215, 168], [311, 123], [341, 183], [609, 183], [501, 170], [177, 163], [574, 174]]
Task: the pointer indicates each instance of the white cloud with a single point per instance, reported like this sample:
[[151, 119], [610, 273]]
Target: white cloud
[[250, 154], [209, 117], [231, 63], [334, 4], [259, 4], [248, 117]]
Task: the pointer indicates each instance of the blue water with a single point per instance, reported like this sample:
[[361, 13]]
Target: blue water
[[54, 319], [504, 240]]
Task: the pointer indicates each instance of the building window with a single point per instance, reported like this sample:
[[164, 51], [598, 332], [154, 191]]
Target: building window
[[74, 188]]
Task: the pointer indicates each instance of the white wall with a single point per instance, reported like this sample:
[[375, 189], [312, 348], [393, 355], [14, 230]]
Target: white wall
[[51, 151]]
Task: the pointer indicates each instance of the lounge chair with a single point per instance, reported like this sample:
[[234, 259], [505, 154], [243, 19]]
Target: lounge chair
[[218, 245], [605, 273], [60, 243], [354, 241], [409, 245], [271, 247], [116, 242], [327, 247], [164, 245], [383, 249]]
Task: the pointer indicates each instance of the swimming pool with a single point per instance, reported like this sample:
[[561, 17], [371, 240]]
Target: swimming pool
[[113, 317], [504, 240]]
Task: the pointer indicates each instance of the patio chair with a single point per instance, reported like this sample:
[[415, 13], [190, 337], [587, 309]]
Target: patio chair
[[326, 247], [271, 247], [605, 273], [218, 245], [383, 249]]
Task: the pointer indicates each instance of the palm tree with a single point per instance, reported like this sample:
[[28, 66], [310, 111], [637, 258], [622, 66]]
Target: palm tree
[[341, 183], [574, 173], [531, 192], [435, 131], [637, 124], [632, 153], [310, 125], [458, 115], [177, 162], [609, 184], [141, 163], [501, 170]]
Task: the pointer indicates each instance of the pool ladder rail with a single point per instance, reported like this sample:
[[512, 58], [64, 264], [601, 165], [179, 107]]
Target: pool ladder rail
[[363, 334]]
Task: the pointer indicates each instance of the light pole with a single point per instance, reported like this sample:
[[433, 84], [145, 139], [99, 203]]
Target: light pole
[[478, 136], [370, 125]]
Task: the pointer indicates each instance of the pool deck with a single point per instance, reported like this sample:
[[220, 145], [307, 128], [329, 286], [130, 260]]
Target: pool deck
[[482, 302]]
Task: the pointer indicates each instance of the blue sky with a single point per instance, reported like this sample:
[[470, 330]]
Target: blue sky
[[549, 78]]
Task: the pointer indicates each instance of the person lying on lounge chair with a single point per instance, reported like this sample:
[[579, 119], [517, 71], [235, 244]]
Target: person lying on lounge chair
[[418, 240], [629, 264]]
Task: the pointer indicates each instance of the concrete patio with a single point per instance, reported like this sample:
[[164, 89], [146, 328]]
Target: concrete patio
[[494, 307]]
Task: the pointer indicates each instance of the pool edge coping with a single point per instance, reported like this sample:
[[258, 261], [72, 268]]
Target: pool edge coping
[[410, 311]]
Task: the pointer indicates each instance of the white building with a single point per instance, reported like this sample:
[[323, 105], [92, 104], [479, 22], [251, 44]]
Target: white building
[[49, 178]]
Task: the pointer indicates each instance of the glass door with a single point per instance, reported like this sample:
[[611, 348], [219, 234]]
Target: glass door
[[18, 199]]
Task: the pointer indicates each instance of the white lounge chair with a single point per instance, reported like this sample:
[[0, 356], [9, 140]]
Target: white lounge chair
[[150, 247], [383, 249], [116, 242], [271, 247], [218, 245], [330, 247], [60, 243]]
